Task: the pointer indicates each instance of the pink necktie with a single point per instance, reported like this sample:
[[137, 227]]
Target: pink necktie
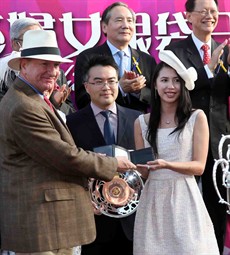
[[48, 102], [206, 57]]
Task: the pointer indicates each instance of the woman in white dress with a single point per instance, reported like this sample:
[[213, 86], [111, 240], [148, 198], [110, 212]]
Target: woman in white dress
[[171, 216]]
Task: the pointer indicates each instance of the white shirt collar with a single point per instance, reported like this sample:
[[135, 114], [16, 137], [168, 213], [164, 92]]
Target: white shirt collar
[[199, 43], [97, 110], [114, 50]]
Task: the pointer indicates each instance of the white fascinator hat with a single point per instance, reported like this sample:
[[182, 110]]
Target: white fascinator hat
[[38, 44], [188, 75]]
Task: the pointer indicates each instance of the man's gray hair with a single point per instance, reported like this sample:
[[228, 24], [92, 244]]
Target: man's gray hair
[[20, 24]]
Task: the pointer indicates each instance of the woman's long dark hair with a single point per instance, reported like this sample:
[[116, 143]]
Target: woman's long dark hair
[[183, 112]]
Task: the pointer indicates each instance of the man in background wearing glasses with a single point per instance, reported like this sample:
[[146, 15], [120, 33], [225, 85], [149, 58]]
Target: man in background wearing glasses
[[114, 236], [211, 93]]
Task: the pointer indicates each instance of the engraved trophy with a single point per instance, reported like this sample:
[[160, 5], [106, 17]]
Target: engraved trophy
[[120, 197], [223, 162]]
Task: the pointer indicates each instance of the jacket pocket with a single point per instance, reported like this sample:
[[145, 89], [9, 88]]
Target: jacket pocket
[[59, 195]]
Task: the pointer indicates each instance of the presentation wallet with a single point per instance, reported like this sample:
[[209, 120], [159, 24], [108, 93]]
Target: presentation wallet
[[135, 156]]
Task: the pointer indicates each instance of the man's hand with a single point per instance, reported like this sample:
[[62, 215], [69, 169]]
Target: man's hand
[[216, 55], [124, 164], [60, 95], [131, 82]]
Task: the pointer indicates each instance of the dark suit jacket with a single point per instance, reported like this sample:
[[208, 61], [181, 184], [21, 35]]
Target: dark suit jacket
[[82, 125], [147, 65], [211, 95], [44, 199]]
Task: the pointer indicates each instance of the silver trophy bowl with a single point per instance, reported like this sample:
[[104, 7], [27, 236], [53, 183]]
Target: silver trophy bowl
[[118, 198]]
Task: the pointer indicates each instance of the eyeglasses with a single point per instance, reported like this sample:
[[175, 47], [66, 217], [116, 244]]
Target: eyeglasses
[[207, 12], [103, 83]]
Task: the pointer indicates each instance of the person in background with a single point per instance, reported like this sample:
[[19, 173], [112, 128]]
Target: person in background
[[44, 197], [210, 94], [61, 94], [171, 217], [135, 67], [101, 83]]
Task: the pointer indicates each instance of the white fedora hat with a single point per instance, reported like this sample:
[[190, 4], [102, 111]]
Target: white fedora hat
[[188, 75], [38, 44]]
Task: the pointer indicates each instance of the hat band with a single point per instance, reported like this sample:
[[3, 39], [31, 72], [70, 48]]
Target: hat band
[[40, 51]]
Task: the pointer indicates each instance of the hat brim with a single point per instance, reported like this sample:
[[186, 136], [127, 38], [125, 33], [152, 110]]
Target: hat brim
[[188, 75], [14, 63]]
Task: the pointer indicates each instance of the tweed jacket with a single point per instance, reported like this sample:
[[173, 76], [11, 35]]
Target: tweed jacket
[[83, 124], [44, 198], [147, 65], [210, 95]]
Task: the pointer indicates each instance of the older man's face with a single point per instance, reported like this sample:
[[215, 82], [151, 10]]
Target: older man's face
[[42, 74]]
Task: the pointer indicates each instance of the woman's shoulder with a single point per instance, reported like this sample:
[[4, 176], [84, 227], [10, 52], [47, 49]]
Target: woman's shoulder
[[146, 118], [197, 116]]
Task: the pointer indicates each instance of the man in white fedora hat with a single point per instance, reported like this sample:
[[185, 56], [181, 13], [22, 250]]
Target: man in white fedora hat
[[45, 208], [60, 97]]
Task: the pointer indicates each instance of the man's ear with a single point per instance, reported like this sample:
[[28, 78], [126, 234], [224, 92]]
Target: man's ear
[[188, 16], [104, 28], [13, 44], [86, 87]]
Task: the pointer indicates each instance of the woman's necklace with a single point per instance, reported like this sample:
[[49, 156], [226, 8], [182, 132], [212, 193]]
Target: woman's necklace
[[167, 122]]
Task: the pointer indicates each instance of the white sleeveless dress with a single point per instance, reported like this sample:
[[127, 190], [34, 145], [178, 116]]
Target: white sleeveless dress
[[171, 217]]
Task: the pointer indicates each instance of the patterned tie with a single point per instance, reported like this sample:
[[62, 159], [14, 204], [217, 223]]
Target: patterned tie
[[48, 102], [206, 57], [108, 130], [122, 63]]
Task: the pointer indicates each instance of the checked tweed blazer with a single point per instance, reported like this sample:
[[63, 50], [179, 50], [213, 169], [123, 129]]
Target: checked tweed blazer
[[44, 198]]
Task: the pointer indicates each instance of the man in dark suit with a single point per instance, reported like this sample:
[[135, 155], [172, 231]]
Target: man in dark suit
[[44, 201], [114, 236], [118, 24], [211, 93]]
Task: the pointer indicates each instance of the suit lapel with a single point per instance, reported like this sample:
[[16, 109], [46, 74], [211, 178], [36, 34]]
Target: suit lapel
[[105, 50], [25, 88], [192, 53], [121, 128], [92, 123], [135, 54]]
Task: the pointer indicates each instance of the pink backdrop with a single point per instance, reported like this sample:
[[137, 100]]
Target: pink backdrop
[[77, 23]]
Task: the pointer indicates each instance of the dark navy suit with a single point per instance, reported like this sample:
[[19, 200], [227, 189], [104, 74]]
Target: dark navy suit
[[87, 135]]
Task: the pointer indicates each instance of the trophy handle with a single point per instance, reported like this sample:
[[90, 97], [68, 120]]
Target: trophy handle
[[225, 171]]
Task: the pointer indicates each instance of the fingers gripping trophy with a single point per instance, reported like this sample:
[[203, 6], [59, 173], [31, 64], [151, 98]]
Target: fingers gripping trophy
[[223, 162]]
